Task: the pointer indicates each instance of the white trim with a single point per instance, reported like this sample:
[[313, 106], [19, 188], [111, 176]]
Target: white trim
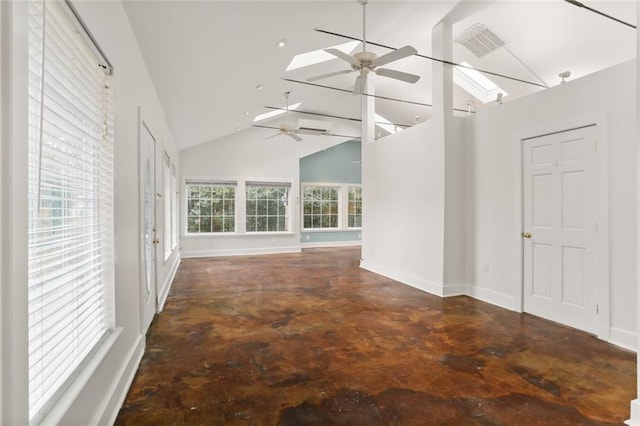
[[603, 296], [195, 235], [624, 338], [331, 244], [404, 278], [240, 252], [451, 290], [57, 412], [634, 420], [108, 411], [166, 286], [493, 297]]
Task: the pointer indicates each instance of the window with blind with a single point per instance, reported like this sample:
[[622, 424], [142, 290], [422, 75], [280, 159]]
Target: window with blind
[[267, 207], [70, 195], [211, 207]]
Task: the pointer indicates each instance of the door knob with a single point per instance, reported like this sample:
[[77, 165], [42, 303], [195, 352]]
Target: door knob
[[526, 234]]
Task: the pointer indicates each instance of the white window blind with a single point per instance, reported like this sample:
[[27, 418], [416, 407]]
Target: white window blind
[[70, 240]]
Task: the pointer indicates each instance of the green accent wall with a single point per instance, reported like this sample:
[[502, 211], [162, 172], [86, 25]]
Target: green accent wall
[[338, 164]]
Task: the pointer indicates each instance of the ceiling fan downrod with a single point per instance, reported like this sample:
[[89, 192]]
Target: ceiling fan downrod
[[364, 24]]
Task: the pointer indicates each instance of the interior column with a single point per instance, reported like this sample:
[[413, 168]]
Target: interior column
[[635, 404], [367, 111]]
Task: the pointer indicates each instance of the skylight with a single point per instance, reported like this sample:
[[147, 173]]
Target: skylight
[[275, 112], [318, 56], [385, 124], [476, 83]]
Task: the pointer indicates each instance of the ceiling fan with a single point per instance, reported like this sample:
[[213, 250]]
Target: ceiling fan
[[285, 128], [366, 62]]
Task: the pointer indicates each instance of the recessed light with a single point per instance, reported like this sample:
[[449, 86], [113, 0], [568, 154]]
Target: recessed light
[[259, 87], [246, 113], [237, 129], [281, 43]]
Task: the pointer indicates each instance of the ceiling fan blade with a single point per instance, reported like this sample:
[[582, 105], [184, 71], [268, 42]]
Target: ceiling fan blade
[[340, 54], [403, 52], [295, 137], [398, 75], [273, 136], [361, 83], [331, 74]]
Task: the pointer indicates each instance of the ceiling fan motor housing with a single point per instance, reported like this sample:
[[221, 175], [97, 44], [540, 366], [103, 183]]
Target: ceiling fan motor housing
[[366, 59]]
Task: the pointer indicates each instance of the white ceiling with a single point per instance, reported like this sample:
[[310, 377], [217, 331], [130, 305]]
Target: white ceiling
[[207, 57]]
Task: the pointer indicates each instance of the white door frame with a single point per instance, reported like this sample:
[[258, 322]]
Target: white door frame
[[142, 126], [602, 179]]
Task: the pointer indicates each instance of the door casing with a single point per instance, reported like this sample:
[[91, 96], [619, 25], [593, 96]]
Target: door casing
[[603, 295]]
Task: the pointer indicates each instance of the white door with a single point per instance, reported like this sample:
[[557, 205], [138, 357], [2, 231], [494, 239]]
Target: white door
[[149, 243], [560, 228]]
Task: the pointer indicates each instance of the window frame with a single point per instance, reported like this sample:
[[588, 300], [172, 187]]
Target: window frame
[[166, 206], [89, 143], [349, 215], [339, 207], [212, 183], [287, 207], [343, 206], [175, 194]]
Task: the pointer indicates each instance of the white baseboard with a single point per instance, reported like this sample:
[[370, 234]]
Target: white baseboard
[[623, 338], [404, 278], [240, 252], [116, 395], [166, 286], [451, 290], [491, 296], [635, 413], [320, 244]]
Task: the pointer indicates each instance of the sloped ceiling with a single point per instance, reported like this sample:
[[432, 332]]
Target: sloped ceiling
[[206, 58]]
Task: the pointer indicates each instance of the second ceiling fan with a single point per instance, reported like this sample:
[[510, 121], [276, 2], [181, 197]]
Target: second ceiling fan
[[365, 62]]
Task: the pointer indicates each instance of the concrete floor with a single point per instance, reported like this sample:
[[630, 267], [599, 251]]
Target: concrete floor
[[311, 339]]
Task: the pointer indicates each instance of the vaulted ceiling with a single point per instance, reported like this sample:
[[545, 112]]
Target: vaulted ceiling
[[208, 58]]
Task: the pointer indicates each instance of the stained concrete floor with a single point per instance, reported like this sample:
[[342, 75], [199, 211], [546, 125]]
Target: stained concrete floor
[[312, 339]]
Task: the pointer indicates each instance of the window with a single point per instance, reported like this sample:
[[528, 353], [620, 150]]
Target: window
[[267, 207], [166, 192], [355, 207], [320, 207], [475, 83], [70, 195], [211, 207], [174, 208]]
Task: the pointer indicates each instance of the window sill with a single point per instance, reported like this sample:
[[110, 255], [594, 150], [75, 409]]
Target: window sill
[[314, 230], [239, 234], [60, 408]]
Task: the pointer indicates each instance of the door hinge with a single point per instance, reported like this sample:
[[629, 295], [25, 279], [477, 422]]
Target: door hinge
[[597, 309]]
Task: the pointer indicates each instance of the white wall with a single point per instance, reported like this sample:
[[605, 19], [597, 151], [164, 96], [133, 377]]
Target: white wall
[[3, 45], [100, 397], [403, 201], [247, 155], [492, 179]]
